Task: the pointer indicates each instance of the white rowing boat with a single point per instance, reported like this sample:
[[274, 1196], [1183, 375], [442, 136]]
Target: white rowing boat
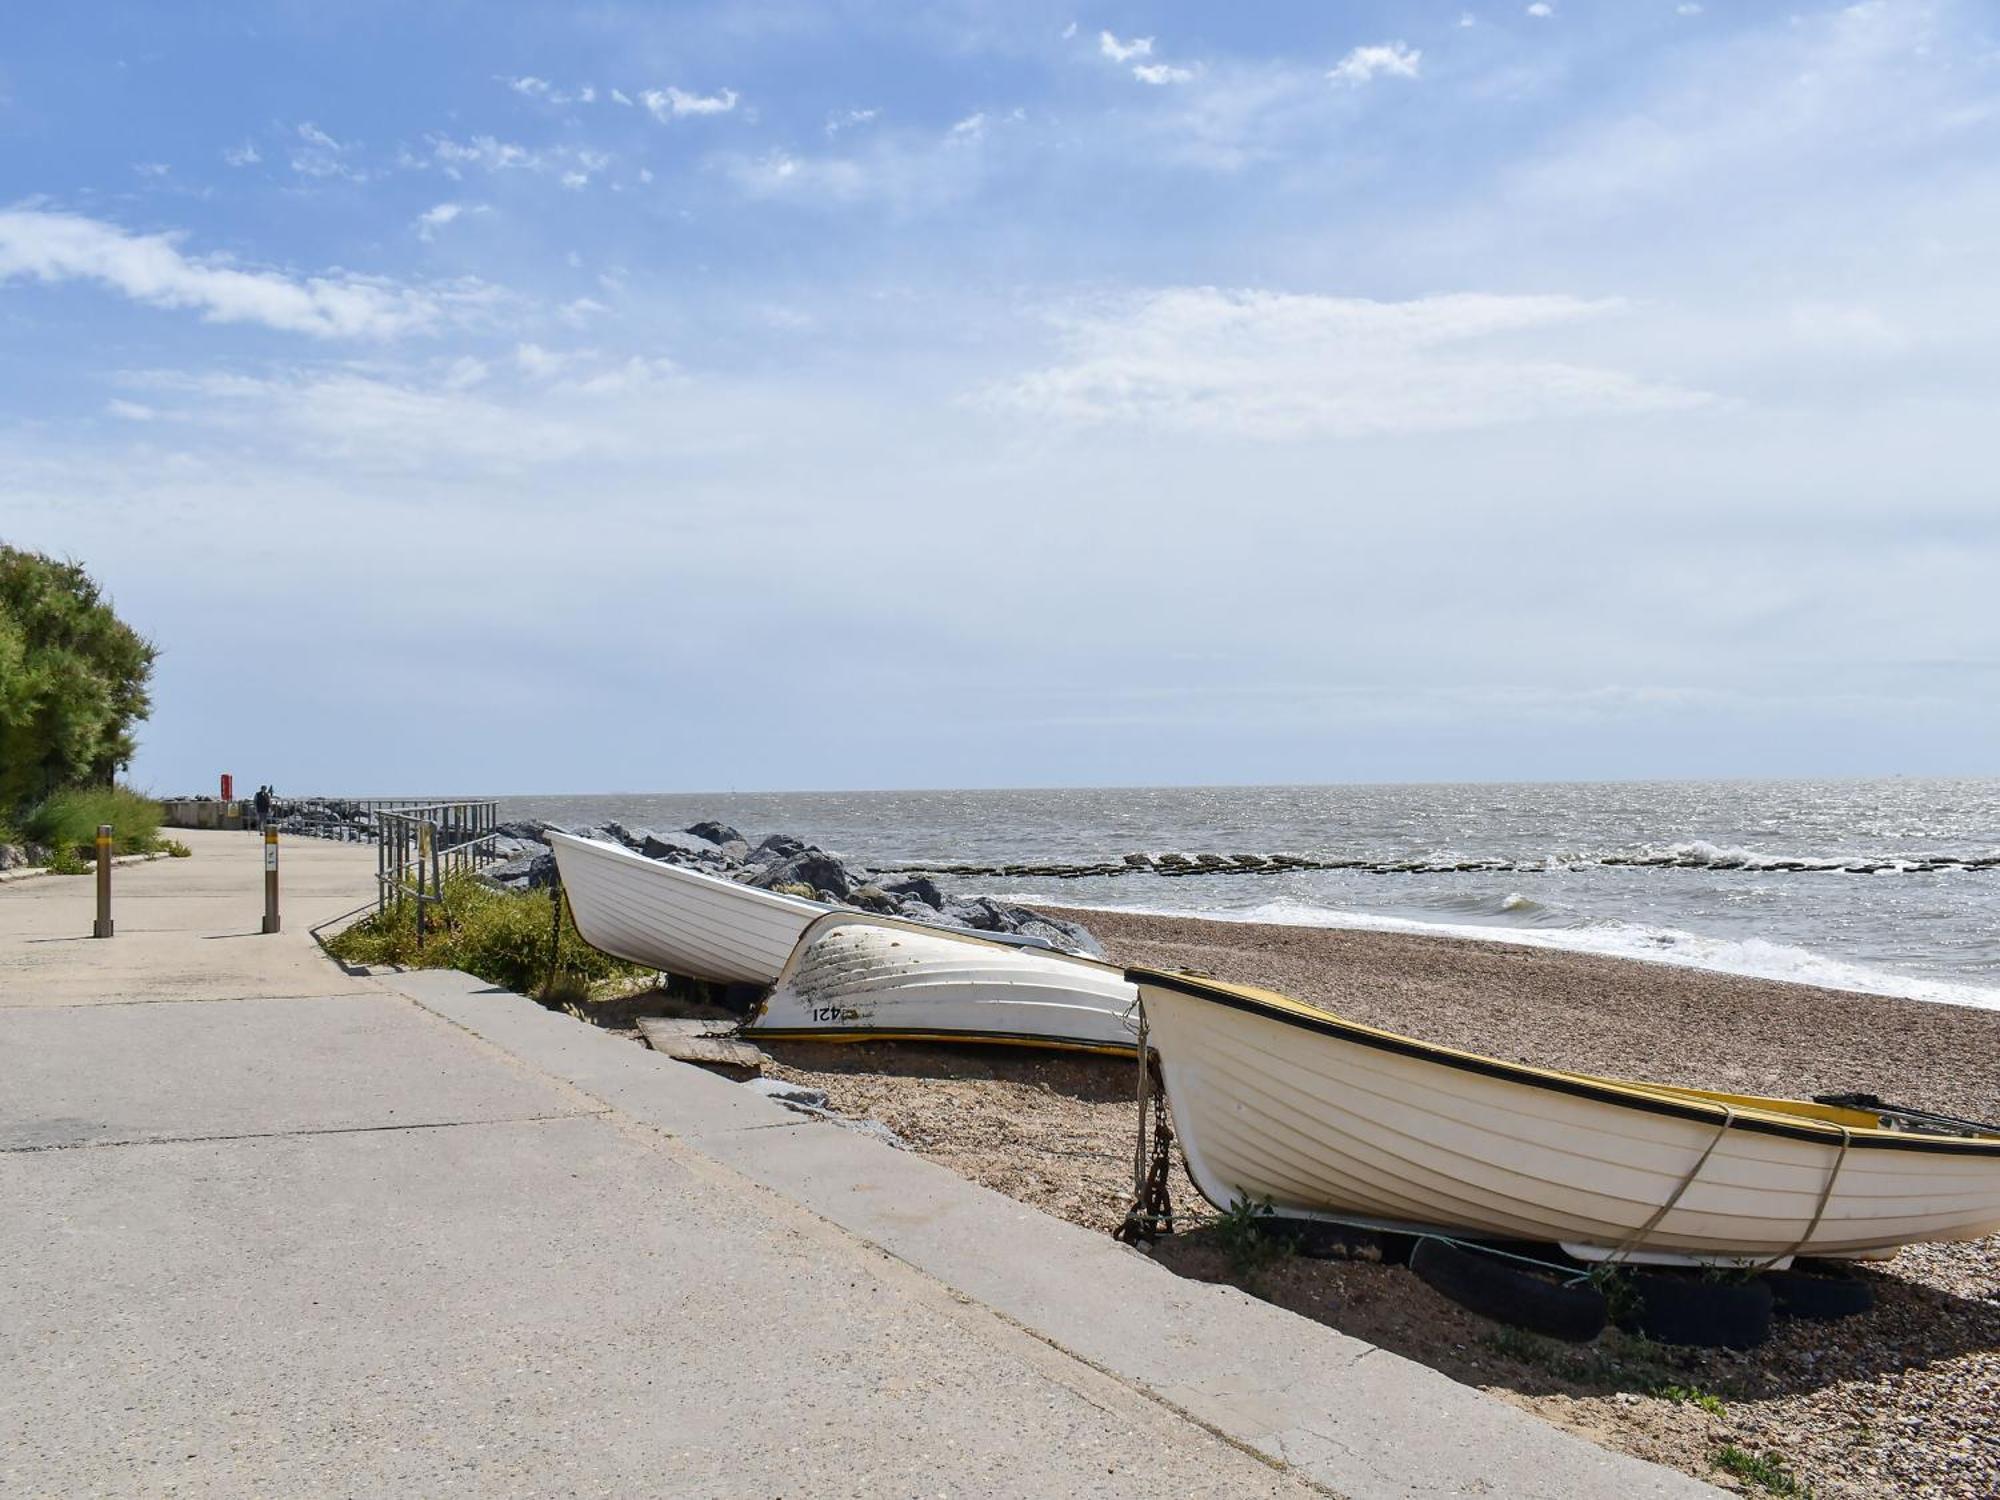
[[680, 920], [861, 978], [1325, 1118]]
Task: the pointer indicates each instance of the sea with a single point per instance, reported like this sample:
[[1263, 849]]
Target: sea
[[1868, 885]]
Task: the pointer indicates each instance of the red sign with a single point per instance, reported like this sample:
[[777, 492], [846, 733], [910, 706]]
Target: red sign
[[228, 787]]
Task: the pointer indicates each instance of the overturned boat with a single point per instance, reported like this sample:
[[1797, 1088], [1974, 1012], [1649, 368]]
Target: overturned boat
[[859, 978], [680, 920], [1274, 1099]]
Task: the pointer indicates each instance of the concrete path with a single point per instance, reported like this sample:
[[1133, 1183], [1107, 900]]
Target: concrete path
[[268, 1228]]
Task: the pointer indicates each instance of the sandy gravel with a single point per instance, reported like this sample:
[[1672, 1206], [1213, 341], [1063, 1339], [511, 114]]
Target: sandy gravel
[[1899, 1401]]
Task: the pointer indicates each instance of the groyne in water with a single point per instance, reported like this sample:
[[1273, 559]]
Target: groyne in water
[[1679, 857]]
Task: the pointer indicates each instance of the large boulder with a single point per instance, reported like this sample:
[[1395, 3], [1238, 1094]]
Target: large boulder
[[531, 872], [984, 914], [777, 846], [679, 848], [715, 832], [920, 888], [813, 867], [12, 857]]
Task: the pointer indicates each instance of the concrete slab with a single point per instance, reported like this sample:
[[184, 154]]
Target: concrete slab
[[1353, 1418], [186, 929], [649, 1087], [89, 1075], [517, 1309]]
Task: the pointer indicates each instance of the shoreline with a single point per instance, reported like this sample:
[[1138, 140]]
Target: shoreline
[[1672, 951], [1594, 1013]]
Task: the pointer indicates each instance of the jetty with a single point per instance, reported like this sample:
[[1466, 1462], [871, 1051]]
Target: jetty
[[270, 1226]]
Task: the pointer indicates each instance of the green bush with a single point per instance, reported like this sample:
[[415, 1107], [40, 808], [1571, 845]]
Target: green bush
[[67, 822], [501, 936], [73, 680]]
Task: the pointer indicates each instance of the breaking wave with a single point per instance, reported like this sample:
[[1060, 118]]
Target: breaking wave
[[1753, 958]]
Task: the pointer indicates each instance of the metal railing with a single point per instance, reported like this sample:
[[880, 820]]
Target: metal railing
[[419, 846]]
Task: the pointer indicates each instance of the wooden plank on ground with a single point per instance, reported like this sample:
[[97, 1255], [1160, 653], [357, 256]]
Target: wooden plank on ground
[[710, 1043]]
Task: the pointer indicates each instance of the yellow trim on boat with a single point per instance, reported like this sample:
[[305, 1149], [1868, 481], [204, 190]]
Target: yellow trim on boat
[[960, 1038], [1795, 1113]]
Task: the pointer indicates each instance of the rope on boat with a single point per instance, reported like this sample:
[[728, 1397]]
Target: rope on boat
[[1571, 1276], [1638, 1236], [1819, 1210]]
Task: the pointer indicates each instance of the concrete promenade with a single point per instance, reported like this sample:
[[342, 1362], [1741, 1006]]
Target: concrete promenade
[[268, 1228]]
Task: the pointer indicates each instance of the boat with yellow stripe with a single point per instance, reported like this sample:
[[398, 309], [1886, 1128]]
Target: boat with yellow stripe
[[1327, 1118]]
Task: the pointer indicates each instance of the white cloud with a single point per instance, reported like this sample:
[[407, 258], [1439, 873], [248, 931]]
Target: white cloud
[[847, 119], [573, 166], [559, 407], [1467, 19], [131, 411], [244, 155], [431, 220], [531, 87], [320, 155], [1118, 52], [619, 96], [1687, 9], [1541, 10], [971, 128], [1274, 365], [154, 169], [672, 103], [1385, 59], [1069, 31], [150, 268], [1161, 73]]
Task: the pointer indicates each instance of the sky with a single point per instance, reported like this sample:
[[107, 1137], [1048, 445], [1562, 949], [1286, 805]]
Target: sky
[[495, 397]]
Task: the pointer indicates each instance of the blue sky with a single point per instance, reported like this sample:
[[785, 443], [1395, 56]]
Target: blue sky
[[502, 397]]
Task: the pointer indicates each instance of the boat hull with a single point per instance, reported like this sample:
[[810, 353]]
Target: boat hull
[[1326, 1118], [699, 926], [873, 979]]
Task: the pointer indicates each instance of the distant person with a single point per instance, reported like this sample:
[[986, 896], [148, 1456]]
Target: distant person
[[263, 800]]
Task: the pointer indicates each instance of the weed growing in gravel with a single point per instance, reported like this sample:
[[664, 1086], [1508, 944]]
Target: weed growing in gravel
[[1691, 1395], [1248, 1240], [1766, 1470]]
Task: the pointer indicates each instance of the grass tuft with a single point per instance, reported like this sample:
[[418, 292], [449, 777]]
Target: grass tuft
[[1690, 1395], [67, 821], [1766, 1470], [501, 936], [1248, 1239]]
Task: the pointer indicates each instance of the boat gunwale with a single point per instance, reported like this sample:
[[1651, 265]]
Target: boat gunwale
[[857, 1035], [756, 896], [1618, 1092]]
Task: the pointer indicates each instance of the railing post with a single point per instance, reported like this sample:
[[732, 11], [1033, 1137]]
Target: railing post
[[270, 877], [102, 927], [423, 848]]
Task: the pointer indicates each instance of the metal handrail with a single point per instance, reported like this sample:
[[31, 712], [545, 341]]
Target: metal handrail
[[419, 844]]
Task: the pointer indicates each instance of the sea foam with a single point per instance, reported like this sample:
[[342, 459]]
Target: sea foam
[[1753, 958]]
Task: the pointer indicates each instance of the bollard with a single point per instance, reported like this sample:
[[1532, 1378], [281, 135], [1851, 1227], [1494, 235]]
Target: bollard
[[102, 927], [270, 879]]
